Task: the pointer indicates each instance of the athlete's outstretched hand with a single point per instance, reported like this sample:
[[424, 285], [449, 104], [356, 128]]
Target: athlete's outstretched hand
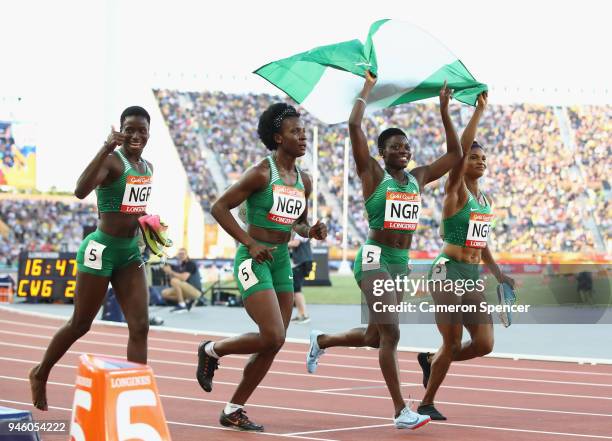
[[114, 139], [260, 252], [318, 231], [483, 99], [446, 95]]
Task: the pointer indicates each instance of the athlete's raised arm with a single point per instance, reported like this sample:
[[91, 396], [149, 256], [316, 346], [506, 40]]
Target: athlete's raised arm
[[368, 169], [453, 155], [97, 170], [467, 139]]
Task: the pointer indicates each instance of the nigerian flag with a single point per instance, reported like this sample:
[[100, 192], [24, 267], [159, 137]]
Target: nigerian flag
[[410, 64]]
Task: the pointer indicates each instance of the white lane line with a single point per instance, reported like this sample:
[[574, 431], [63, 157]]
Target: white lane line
[[469, 426], [180, 423], [328, 354], [193, 365], [342, 429], [493, 355], [312, 411], [122, 355], [308, 391], [343, 366]]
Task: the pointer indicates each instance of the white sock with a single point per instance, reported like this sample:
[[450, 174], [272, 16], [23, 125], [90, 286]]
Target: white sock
[[182, 304], [231, 408], [210, 350]]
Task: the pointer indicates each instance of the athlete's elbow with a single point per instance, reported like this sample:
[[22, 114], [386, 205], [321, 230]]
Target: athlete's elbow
[[216, 209], [80, 193]]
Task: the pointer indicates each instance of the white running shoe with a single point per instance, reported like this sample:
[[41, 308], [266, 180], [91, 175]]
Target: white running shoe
[[408, 419], [314, 352]]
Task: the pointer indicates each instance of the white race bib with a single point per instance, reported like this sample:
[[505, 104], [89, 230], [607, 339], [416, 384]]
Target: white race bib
[[438, 272], [478, 230], [288, 205], [370, 257], [136, 195], [402, 210], [246, 276], [93, 255]]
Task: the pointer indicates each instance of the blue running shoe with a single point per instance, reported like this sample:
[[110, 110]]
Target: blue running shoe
[[314, 352], [408, 419], [505, 296]]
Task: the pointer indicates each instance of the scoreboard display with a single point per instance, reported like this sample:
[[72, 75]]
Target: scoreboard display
[[45, 275]]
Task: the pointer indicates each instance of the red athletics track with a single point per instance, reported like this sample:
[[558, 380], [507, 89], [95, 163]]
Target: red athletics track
[[346, 400]]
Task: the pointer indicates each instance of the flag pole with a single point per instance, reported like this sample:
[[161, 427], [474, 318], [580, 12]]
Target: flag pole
[[345, 267], [315, 173]]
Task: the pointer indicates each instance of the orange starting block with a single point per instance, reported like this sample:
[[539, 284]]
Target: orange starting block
[[116, 400], [6, 293]]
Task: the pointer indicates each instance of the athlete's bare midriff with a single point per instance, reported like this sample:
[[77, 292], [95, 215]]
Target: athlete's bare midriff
[[119, 224], [270, 236], [393, 239], [462, 254]]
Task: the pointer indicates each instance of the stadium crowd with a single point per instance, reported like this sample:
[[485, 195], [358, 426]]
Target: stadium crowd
[[228, 125], [185, 126], [6, 145], [541, 190], [592, 126], [533, 182], [532, 177], [42, 225]]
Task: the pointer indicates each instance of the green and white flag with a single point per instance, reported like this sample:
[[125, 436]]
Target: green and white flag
[[410, 64]]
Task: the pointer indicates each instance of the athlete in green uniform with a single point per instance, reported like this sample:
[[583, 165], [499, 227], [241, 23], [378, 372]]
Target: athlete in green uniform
[[122, 180], [393, 201], [466, 224], [276, 194]]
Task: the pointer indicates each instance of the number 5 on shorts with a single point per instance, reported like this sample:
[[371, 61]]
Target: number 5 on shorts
[[370, 257], [439, 270], [246, 276], [93, 255]]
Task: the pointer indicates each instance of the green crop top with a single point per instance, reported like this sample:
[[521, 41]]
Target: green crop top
[[129, 193]]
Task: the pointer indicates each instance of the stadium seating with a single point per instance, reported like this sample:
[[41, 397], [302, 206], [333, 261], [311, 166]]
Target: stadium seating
[[43, 225], [531, 174]]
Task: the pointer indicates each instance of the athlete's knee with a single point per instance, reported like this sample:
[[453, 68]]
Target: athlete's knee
[[389, 335], [273, 341], [79, 327], [483, 346], [453, 347], [372, 340], [139, 328]]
